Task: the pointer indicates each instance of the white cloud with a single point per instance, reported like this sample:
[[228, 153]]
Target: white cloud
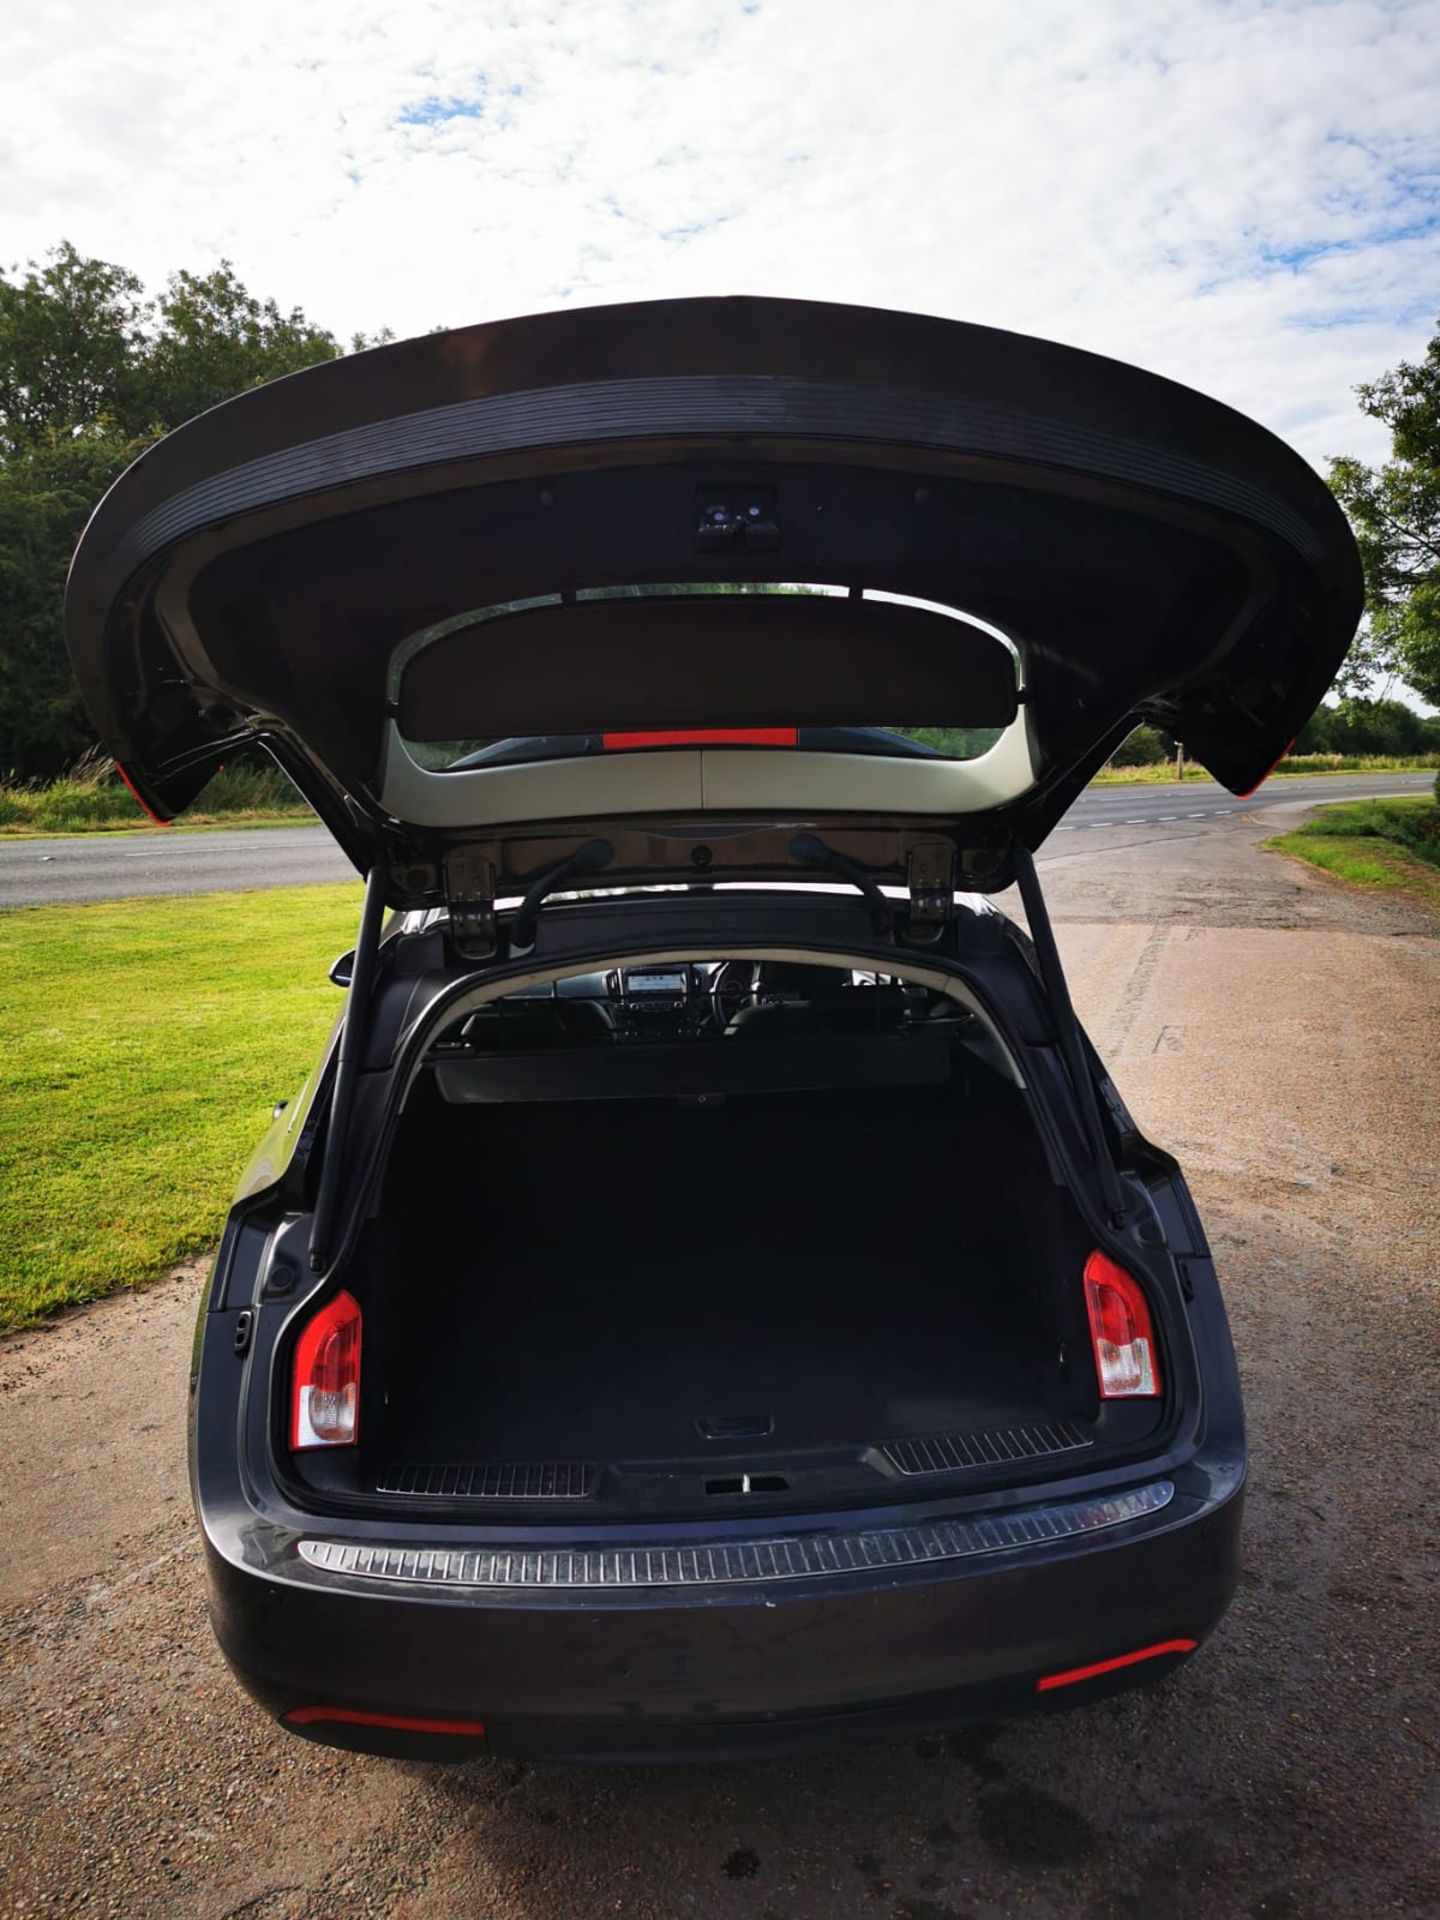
[[1243, 194]]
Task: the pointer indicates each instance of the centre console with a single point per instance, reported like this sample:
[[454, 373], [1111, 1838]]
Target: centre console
[[659, 1001]]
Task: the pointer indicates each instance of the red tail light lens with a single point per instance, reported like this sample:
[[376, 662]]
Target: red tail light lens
[[325, 1402], [1125, 1358]]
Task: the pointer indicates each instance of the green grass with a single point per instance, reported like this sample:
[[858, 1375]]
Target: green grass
[[1357, 763], [1389, 844], [196, 822], [94, 800], [1163, 772], [145, 1044]]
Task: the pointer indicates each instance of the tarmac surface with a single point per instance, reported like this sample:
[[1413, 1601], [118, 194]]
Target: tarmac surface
[[51, 870]]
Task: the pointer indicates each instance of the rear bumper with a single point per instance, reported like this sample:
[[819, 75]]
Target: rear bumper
[[716, 1666]]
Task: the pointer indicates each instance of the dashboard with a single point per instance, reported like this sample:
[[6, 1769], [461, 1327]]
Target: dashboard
[[679, 997], [672, 999], [687, 1000]]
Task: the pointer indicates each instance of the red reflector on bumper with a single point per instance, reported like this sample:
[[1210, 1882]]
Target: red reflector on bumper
[[703, 737], [1264, 776], [160, 819], [358, 1717], [1072, 1674]]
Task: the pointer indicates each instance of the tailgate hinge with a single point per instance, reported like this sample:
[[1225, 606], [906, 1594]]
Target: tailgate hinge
[[930, 875], [470, 894]]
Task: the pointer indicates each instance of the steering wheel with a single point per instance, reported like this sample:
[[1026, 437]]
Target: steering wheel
[[731, 986]]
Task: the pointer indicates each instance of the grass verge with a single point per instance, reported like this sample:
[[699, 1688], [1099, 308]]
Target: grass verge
[[1390, 844], [263, 797], [94, 800], [146, 1043], [197, 822], [1300, 764]]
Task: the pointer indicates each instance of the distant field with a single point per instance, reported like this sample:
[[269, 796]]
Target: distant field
[[1390, 844], [1163, 772], [145, 1045]]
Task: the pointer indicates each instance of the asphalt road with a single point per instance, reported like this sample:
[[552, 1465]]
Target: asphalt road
[[1273, 1029], [118, 866], [65, 868]]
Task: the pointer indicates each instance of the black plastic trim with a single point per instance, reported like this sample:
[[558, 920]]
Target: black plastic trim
[[611, 412]]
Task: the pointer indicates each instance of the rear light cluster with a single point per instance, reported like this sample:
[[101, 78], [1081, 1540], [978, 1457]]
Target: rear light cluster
[[1126, 1362], [325, 1398]]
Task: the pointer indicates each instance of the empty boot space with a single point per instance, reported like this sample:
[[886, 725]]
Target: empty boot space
[[644, 1281]]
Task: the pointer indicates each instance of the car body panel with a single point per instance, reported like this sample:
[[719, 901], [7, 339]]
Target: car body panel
[[655, 1668], [707, 784], [697, 1675], [1002, 535], [664, 1671]]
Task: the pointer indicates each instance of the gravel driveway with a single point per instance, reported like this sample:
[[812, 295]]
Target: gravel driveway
[[1280, 1035]]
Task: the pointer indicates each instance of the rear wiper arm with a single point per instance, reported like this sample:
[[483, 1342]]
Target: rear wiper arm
[[811, 851], [593, 857]]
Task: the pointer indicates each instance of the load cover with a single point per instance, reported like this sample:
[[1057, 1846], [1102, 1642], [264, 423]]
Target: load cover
[[265, 571]]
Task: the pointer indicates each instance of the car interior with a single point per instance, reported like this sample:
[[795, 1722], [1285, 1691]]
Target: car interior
[[817, 1254], [704, 1000]]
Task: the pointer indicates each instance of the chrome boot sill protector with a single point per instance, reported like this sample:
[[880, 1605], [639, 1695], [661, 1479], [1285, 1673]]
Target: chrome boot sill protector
[[740, 1562], [998, 1446], [578, 1479], [491, 1480]]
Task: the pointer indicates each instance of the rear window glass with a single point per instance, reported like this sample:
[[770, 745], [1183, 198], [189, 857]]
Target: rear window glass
[[862, 735]]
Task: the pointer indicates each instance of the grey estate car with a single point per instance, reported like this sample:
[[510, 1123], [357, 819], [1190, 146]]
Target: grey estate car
[[709, 1296]]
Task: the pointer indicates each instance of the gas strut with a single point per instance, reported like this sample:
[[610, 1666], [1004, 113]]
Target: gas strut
[[593, 857], [347, 1062], [1072, 1043], [811, 851]]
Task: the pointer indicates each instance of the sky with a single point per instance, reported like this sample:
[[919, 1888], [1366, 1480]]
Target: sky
[[1241, 194]]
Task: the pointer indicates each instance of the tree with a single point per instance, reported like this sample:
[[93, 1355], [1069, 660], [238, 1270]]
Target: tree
[[1395, 511], [91, 372], [1376, 726], [1144, 747], [47, 492], [1358, 726], [71, 348], [214, 339], [1318, 733]]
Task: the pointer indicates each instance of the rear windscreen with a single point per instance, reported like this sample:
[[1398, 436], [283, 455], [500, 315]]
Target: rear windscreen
[[704, 664]]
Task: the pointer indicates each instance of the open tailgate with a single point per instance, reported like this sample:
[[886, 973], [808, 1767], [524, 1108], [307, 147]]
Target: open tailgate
[[264, 572]]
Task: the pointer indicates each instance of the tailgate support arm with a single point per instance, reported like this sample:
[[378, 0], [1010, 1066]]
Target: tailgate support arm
[[347, 1062], [1067, 1027]]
